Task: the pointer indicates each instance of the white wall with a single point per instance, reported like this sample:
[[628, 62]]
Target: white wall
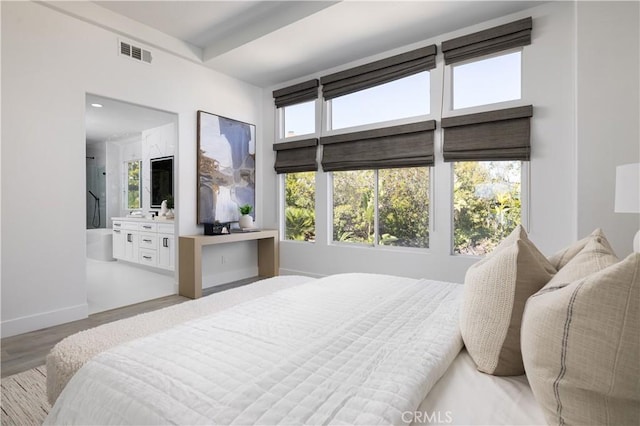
[[548, 84], [49, 62], [608, 85]]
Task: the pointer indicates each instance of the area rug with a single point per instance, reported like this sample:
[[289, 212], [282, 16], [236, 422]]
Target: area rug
[[24, 397]]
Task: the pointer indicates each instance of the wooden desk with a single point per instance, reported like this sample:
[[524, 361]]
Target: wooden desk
[[190, 256]]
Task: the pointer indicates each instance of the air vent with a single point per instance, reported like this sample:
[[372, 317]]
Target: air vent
[[136, 53]]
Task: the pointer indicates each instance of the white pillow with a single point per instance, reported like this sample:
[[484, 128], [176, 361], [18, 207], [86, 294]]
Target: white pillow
[[581, 340], [495, 292]]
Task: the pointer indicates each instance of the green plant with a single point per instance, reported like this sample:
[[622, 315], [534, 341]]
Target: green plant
[[245, 209], [169, 199]]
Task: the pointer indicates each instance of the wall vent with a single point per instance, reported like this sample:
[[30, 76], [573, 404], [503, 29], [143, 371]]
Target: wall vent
[[136, 53]]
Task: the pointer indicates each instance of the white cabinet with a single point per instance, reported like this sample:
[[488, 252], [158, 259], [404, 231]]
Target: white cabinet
[[166, 251], [145, 242]]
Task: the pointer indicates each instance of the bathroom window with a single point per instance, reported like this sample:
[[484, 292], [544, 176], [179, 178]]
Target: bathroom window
[[133, 195]]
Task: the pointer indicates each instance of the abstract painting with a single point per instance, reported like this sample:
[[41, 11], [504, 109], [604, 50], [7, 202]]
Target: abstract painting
[[226, 168]]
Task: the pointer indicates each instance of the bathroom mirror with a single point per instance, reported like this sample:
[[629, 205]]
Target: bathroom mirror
[[161, 179]]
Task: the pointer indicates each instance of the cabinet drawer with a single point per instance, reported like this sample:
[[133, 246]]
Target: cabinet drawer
[[130, 226], [148, 241], [148, 257], [148, 227], [166, 228]]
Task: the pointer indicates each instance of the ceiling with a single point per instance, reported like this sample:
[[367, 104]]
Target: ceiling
[[267, 43], [117, 120]]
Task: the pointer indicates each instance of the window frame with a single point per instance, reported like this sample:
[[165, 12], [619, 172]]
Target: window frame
[[448, 111], [328, 129], [327, 121], [282, 210], [126, 184], [376, 218]]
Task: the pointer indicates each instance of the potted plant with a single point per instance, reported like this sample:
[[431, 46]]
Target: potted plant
[[169, 206], [246, 221]]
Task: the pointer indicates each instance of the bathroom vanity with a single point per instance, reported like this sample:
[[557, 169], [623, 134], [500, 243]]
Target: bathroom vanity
[[144, 241]]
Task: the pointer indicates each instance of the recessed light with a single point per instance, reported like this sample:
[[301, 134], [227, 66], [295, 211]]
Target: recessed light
[[96, 105]]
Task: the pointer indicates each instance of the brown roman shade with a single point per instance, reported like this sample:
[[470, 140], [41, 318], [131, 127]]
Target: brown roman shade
[[503, 37], [378, 72], [298, 93], [409, 145], [297, 156], [488, 136]]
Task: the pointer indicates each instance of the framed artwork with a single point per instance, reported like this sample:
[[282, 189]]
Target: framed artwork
[[226, 168]]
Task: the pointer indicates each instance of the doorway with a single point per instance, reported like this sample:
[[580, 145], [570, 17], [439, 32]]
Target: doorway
[[119, 134]]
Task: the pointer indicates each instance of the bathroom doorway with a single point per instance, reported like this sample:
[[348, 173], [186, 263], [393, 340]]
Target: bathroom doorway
[[122, 139]]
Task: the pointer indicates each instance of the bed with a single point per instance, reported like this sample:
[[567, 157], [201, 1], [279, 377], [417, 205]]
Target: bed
[[345, 349]]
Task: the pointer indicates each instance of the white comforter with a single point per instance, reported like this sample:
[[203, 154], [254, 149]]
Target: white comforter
[[346, 349]]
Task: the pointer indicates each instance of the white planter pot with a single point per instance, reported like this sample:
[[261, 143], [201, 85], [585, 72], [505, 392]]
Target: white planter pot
[[246, 221]]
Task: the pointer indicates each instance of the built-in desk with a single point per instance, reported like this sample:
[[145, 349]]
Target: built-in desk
[[190, 256]]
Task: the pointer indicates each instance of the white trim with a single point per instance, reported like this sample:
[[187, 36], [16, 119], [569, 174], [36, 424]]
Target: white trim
[[38, 321], [296, 272]]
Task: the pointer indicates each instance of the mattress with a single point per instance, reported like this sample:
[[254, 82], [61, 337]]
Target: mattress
[[346, 349], [465, 396]]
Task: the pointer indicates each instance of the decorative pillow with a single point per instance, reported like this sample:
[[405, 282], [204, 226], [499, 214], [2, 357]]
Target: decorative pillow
[[494, 296], [581, 346], [561, 258]]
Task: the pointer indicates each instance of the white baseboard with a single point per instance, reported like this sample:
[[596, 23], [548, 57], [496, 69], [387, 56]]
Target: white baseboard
[[228, 277], [34, 322], [284, 271]]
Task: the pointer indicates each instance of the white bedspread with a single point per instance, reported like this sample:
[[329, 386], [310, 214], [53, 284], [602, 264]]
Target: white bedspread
[[346, 349]]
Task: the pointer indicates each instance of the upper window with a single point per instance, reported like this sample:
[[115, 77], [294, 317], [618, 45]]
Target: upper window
[[402, 98], [299, 119], [487, 81]]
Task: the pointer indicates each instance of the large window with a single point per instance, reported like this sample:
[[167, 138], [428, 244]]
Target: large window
[[300, 214], [133, 198], [487, 81], [486, 204], [385, 207], [402, 98]]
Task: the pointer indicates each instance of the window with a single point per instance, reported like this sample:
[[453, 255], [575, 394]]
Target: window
[[384, 207], [487, 81], [403, 200], [134, 199], [299, 210], [408, 96], [486, 204], [299, 119]]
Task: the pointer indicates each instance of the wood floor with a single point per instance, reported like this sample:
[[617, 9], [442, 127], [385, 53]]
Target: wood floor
[[29, 350]]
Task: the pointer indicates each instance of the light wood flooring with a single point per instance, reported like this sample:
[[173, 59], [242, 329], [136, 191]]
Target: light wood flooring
[[25, 351]]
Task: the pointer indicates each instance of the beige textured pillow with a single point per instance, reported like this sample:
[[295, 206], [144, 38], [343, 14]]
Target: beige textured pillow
[[561, 258], [581, 346], [495, 292]]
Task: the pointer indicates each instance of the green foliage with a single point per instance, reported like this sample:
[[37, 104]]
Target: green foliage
[[300, 195], [169, 199], [133, 185], [353, 206], [245, 209], [486, 204], [403, 199]]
